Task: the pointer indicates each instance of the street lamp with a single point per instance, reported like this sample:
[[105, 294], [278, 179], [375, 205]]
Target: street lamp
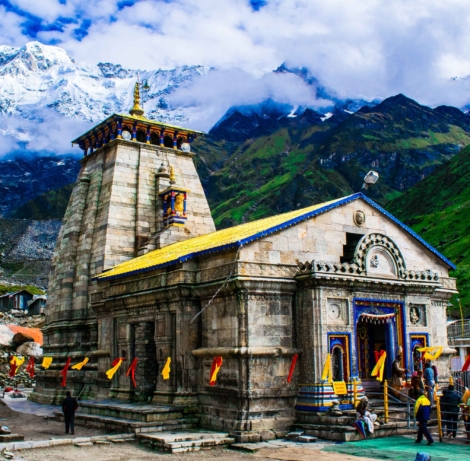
[[370, 179]]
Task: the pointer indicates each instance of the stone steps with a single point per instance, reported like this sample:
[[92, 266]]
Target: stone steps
[[111, 423], [182, 442], [133, 411], [396, 415], [348, 433]]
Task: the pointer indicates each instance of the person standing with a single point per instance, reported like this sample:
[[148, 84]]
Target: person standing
[[429, 382], [466, 412], [69, 407], [398, 373], [416, 384], [422, 412], [450, 401]]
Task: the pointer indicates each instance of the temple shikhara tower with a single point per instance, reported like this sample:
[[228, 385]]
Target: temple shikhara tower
[[140, 272]]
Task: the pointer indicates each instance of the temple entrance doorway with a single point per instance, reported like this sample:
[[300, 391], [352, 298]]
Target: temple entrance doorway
[[371, 340]]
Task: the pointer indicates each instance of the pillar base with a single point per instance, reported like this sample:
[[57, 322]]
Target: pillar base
[[175, 398]]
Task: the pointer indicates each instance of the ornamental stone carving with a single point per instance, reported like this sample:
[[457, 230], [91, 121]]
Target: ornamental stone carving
[[359, 218], [378, 254]]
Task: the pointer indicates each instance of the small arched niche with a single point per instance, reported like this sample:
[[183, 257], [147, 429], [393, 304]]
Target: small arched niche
[[380, 262]]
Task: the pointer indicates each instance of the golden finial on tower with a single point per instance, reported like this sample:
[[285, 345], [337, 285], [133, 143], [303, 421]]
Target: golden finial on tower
[[172, 176], [136, 109]]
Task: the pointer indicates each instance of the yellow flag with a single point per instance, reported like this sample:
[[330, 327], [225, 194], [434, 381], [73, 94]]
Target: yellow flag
[[215, 367], [80, 365], [379, 367], [110, 373], [46, 362], [431, 353], [326, 375], [166, 369], [381, 374], [18, 362]]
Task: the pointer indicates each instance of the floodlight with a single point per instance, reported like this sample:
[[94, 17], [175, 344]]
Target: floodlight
[[370, 179]]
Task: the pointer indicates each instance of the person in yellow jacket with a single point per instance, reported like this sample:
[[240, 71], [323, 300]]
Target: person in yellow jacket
[[422, 412], [466, 412]]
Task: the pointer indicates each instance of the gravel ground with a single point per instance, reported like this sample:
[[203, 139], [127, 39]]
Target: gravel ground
[[135, 451], [35, 427]]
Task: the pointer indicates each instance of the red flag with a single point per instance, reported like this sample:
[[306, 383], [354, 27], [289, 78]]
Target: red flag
[[378, 354], [216, 364], [64, 372], [30, 367], [131, 370], [466, 364], [292, 367]]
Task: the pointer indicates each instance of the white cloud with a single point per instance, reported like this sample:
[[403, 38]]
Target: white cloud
[[359, 48], [49, 132]]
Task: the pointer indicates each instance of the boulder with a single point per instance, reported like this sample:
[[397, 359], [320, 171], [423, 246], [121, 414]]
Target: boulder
[[30, 348], [6, 336]]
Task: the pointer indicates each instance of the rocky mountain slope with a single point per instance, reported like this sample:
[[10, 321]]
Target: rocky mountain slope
[[255, 164], [26, 248], [438, 209], [296, 161]]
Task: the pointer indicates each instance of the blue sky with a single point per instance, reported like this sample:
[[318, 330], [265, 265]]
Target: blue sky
[[360, 46]]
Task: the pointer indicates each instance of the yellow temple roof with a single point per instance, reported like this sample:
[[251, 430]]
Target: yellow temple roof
[[237, 236], [215, 241]]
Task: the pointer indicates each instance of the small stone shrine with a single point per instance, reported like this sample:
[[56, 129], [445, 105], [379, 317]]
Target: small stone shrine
[[140, 272]]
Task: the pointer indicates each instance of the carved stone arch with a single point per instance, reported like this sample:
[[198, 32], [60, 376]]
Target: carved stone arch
[[384, 248]]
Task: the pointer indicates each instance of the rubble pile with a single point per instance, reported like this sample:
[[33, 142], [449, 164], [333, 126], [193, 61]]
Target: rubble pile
[[19, 335], [16, 317], [20, 380]]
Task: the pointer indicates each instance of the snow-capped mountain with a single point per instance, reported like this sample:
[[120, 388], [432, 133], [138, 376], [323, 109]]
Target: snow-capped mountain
[[39, 76]]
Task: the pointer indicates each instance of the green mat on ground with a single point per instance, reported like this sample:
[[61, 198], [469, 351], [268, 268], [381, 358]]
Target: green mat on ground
[[401, 449]]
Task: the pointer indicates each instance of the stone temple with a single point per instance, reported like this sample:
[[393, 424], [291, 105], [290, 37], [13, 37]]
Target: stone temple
[[140, 272]]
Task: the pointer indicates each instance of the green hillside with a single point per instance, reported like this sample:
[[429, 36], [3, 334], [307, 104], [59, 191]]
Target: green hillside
[[308, 160], [438, 209]]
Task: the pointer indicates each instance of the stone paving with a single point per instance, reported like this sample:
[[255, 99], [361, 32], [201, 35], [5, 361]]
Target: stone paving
[[24, 405]]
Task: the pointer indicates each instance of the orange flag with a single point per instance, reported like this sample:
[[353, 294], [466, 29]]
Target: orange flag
[[216, 364], [166, 369], [114, 367]]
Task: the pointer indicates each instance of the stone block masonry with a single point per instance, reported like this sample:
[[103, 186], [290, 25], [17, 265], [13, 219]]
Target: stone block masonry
[[114, 211]]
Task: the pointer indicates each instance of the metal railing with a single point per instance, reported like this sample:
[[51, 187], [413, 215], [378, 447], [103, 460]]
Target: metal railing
[[459, 329], [461, 380], [450, 425], [398, 398]]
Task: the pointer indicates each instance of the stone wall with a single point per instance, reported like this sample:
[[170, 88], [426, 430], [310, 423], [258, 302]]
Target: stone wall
[[113, 210], [322, 238]]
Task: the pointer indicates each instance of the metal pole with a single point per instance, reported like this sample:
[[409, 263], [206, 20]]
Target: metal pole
[[439, 422], [355, 393], [385, 401], [461, 316]]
